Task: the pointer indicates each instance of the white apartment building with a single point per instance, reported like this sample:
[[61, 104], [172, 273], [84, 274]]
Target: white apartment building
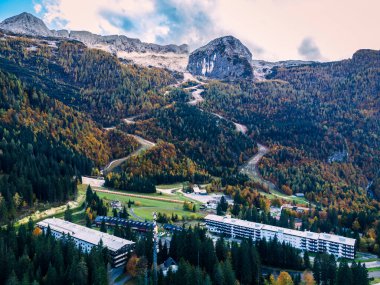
[[315, 242], [86, 238]]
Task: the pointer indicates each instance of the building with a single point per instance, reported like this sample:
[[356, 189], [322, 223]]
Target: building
[[86, 239], [168, 264], [199, 191], [315, 242], [116, 205], [297, 209], [173, 228], [134, 225]]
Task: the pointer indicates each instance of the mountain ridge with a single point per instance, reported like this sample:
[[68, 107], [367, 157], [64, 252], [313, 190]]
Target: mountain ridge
[[170, 56]]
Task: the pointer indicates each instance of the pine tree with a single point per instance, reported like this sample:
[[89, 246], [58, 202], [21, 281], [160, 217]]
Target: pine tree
[[306, 260], [68, 214], [221, 249], [103, 227], [228, 273], [344, 274], [218, 276]]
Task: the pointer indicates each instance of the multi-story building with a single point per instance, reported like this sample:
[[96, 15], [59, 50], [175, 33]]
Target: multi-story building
[[86, 239], [304, 240]]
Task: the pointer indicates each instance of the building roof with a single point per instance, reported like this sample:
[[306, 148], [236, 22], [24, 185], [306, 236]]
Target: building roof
[[86, 234], [337, 239], [279, 230], [123, 222], [169, 262]]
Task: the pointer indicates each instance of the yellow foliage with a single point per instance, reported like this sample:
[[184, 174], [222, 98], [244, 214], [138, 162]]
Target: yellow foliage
[[284, 279], [37, 231]]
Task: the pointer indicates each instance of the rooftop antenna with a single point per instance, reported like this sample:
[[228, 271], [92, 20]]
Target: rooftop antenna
[[155, 232]]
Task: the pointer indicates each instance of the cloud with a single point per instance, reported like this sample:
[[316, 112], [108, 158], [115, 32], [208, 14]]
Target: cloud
[[309, 49], [37, 8], [272, 29]]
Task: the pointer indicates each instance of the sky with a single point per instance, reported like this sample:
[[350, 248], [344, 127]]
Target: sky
[[322, 30]]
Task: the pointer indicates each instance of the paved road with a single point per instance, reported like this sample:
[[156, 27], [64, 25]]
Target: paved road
[[251, 168], [241, 128], [374, 274], [372, 264], [133, 214], [144, 144], [196, 93]]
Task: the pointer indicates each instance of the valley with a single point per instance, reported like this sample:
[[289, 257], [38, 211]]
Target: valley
[[94, 125]]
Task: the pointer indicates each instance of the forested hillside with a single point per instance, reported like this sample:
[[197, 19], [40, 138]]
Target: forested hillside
[[92, 80], [212, 143], [45, 146], [308, 114], [161, 164]]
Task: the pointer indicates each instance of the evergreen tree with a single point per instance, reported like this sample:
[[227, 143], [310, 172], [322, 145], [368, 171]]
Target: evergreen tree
[[306, 260], [344, 274], [68, 214], [221, 249], [103, 227]]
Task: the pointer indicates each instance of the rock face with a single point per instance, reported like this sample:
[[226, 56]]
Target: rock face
[[27, 24], [224, 58]]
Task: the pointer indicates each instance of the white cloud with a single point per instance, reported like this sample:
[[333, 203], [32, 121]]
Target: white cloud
[[37, 8], [92, 15], [272, 29]]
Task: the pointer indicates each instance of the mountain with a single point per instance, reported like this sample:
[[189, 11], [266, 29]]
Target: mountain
[[262, 68], [170, 56], [27, 24], [92, 80], [224, 58]]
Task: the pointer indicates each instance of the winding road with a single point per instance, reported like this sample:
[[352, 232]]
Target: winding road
[[197, 99], [251, 168], [144, 145]]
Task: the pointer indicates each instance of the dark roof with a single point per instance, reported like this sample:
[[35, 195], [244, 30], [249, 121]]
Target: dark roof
[[170, 261]]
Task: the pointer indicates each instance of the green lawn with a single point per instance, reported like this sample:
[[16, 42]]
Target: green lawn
[[373, 269], [146, 212], [144, 207], [375, 281]]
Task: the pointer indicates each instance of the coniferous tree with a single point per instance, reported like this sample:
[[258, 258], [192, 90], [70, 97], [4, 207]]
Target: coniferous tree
[[103, 227]]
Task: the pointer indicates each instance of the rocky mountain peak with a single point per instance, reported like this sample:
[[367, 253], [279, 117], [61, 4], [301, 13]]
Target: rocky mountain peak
[[26, 23], [223, 58]]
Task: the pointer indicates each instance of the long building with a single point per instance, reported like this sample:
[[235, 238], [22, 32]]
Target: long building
[[86, 239], [314, 242], [113, 221]]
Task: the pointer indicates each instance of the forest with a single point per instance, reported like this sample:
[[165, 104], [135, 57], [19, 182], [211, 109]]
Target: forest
[[305, 124], [92, 80], [232, 263], [28, 256], [161, 164], [213, 144]]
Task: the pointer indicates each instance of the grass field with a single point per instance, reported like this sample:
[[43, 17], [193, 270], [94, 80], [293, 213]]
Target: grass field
[[144, 207], [375, 281], [373, 269]]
